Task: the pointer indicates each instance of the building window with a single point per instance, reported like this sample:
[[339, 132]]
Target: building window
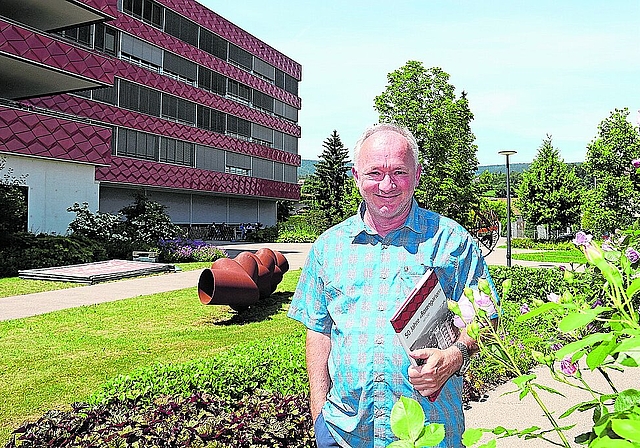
[[212, 81], [180, 68], [177, 152], [141, 53], [139, 98], [213, 44], [105, 94], [80, 34], [238, 127], [106, 39], [239, 91], [290, 144], [178, 109], [240, 57], [291, 84], [237, 170], [180, 27], [139, 145], [263, 101], [290, 174], [211, 159], [146, 10], [211, 119]]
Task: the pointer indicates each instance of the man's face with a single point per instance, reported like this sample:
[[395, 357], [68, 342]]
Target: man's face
[[386, 175]]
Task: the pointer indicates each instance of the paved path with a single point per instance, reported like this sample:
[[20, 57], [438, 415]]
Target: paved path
[[496, 409]]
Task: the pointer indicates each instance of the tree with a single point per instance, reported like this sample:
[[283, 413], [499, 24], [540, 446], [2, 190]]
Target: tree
[[549, 192], [13, 200], [615, 187], [424, 101], [328, 185]]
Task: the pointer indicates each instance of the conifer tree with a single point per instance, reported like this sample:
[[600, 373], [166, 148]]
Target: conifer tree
[[549, 193], [327, 186]]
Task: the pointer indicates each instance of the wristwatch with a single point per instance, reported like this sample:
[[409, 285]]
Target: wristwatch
[[466, 360]]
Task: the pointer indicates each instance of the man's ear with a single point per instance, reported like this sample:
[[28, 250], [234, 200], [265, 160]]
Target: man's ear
[[418, 173], [354, 172]]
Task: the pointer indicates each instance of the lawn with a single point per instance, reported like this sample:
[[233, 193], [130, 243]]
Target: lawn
[[552, 256], [52, 360]]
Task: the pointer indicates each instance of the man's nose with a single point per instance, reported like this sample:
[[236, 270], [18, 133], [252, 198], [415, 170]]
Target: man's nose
[[387, 183]]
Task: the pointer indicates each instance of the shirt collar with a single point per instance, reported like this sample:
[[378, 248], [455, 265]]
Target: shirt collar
[[363, 234]]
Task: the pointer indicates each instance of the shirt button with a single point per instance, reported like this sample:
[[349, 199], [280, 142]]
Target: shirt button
[[379, 413], [379, 340], [379, 377], [383, 276]]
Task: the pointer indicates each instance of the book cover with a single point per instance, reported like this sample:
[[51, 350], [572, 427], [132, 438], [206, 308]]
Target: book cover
[[424, 320]]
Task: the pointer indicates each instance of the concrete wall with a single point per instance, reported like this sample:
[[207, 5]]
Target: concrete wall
[[53, 187]]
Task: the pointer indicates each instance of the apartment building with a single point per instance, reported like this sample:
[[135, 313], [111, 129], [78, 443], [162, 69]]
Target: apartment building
[[103, 99]]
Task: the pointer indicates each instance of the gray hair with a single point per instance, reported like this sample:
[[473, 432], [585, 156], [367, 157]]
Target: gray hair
[[403, 131]]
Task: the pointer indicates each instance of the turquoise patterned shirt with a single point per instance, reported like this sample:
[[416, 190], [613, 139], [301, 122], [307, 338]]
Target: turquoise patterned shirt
[[352, 282]]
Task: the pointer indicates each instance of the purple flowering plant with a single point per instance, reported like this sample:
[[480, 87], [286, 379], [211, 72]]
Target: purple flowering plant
[[181, 250]]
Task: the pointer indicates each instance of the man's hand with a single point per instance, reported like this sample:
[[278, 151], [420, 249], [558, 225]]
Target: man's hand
[[438, 366]]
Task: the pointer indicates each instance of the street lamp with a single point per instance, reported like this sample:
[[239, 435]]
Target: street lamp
[[507, 153]]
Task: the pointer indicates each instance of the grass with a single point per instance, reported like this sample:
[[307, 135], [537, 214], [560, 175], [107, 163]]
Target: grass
[[552, 256], [53, 360]]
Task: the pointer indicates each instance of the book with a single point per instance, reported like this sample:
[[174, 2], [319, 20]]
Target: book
[[424, 320]]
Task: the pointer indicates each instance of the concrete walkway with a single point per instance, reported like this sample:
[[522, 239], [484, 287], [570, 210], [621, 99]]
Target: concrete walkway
[[494, 410]]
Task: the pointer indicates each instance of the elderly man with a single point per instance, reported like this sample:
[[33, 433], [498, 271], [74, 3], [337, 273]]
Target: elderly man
[[356, 275]]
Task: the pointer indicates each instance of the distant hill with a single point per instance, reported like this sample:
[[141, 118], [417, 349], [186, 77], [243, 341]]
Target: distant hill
[[513, 167], [307, 168]]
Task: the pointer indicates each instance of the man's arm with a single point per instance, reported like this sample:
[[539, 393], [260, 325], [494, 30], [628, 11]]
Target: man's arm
[[317, 349]]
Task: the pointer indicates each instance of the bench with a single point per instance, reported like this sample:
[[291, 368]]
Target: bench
[[148, 256]]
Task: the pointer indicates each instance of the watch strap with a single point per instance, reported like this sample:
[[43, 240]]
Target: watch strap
[[466, 359]]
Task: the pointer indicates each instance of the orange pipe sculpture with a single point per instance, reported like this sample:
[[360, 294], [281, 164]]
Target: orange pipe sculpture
[[240, 282]]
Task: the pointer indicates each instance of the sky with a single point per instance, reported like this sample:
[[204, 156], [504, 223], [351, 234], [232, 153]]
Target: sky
[[529, 68]]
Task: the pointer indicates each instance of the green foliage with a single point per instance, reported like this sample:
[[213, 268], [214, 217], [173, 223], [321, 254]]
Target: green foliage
[[276, 365], [407, 423], [263, 420], [615, 186], [13, 200], [494, 184], [146, 222], [21, 251], [424, 101], [529, 243], [303, 228], [549, 193], [139, 226], [13, 203], [327, 187]]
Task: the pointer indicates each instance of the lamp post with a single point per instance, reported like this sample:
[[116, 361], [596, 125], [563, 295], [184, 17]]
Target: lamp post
[[507, 153]]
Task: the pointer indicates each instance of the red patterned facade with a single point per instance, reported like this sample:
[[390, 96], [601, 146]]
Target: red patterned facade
[[138, 172], [42, 49], [33, 134]]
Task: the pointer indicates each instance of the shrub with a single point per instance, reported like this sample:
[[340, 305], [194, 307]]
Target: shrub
[[276, 365], [200, 420], [30, 251], [302, 228], [528, 243]]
